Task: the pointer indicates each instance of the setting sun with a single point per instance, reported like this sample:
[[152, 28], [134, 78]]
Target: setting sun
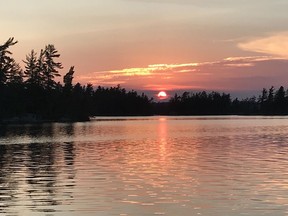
[[162, 95]]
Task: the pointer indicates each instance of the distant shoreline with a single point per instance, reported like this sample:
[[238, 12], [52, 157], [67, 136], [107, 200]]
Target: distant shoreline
[[21, 121], [29, 120]]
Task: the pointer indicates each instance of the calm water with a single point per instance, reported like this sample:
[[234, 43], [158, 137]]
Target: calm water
[[146, 166]]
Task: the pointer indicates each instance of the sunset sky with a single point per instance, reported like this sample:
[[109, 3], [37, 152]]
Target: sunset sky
[[173, 45]]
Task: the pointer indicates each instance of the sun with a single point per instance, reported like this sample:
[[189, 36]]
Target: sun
[[162, 95]]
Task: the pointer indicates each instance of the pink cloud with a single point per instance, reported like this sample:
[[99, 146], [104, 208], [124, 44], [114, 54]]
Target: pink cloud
[[275, 44], [234, 73]]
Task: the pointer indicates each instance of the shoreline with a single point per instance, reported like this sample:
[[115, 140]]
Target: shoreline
[[22, 121]]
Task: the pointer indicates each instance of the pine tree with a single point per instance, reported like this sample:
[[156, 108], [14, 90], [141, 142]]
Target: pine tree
[[33, 72], [50, 66], [15, 74], [7, 63], [68, 78]]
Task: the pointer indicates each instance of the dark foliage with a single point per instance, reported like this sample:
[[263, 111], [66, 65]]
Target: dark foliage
[[202, 103]]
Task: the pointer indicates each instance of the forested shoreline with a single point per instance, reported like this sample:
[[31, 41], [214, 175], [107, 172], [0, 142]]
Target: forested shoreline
[[31, 94], [269, 102]]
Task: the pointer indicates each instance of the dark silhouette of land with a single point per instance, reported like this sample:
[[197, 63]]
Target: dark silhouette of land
[[32, 95]]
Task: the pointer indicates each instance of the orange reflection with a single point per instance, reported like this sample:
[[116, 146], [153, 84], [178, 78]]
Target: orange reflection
[[162, 133]]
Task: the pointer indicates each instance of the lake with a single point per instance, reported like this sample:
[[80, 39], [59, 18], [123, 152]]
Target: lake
[[217, 165]]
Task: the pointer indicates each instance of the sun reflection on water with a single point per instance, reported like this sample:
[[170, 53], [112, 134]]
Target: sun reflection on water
[[162, 134]]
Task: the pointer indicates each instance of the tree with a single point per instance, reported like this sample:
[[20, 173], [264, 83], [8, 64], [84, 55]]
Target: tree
[[270, 100], [264, 96], [68, 78], [89, 90], [15, 74], [280, 102], [280, 95], [263, 101], [271, 95], [50, 66], [32, 69], [7, 63]]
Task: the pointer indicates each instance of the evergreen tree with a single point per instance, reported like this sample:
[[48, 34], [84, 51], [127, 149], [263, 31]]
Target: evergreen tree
[[15, 75], [68, 78], [280, 95], [264, 96], [50, 66], [280, 103], [7, 63], [270, 100], [262, 100], [32, 72]]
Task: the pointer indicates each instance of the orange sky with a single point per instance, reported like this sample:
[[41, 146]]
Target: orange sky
[[158, 44]]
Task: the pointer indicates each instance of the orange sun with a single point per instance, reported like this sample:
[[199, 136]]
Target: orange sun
[[162, 95]]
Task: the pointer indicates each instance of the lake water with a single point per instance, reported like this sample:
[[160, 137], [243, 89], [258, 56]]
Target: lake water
[[146, 166]]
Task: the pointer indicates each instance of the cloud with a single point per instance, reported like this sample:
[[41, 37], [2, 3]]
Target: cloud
[[233, 73], [276, 45]]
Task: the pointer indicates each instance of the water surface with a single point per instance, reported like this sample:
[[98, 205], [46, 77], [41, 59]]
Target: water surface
[[146, 166]]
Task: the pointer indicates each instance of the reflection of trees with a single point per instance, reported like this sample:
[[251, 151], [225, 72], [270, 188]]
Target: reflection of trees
[[42, 174], [69, 153], [36, 176], [69, 157], [10, 174], [34, 131]]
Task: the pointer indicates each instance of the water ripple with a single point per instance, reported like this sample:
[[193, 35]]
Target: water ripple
[[176, 166]]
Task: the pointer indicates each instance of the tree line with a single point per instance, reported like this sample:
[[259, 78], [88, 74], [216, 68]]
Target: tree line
[[269, 102], [32, 93]]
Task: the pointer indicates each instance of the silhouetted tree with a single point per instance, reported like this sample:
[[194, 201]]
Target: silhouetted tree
[[33, 71], [50, 66], [15, 75], [271, 95], [270, 100], [264, 96], [7, 63], [263, 101], [68, 78], [279, 99]]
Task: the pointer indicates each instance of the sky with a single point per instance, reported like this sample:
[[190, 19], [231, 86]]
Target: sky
[[236, 46]]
